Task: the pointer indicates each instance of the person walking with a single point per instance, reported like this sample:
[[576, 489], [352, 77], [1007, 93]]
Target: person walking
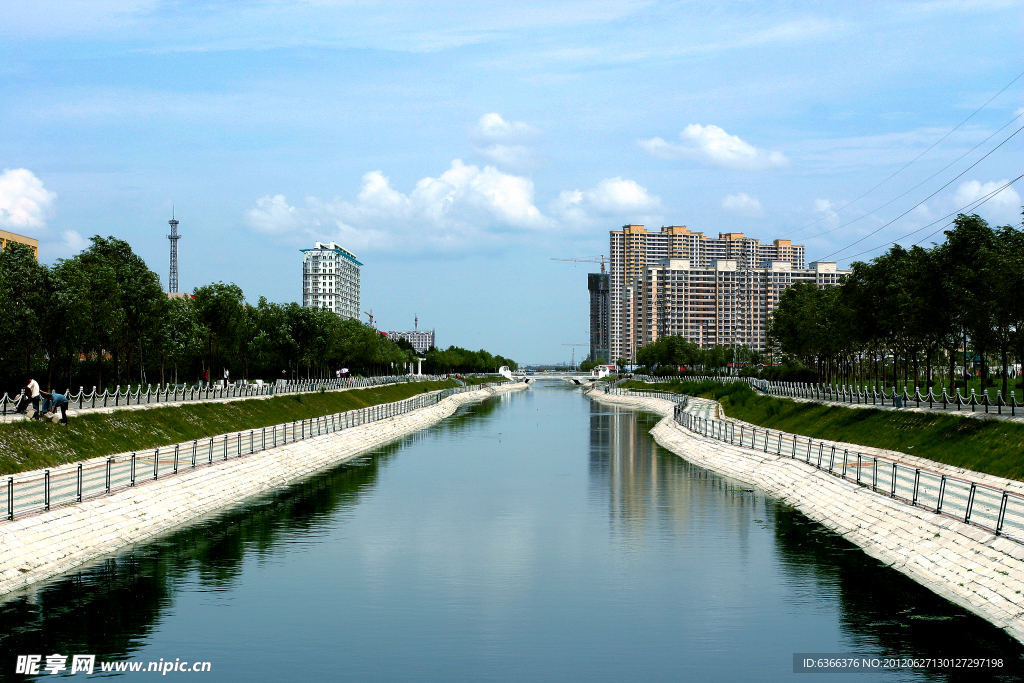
[[55, 401]]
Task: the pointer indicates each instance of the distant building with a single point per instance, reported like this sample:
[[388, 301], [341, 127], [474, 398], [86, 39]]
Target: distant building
[[719, 304], [600, 329], [9, 238], [421, 340], [633, 249], [330, 279]]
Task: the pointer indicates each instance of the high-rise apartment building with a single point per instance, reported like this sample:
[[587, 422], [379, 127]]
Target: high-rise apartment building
[[421, 340], [680, 282], [720, 304], [330, 279], [600, 330]]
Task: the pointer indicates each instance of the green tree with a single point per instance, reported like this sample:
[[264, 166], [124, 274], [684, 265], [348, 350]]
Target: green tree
[[22, 302], [219, 308]]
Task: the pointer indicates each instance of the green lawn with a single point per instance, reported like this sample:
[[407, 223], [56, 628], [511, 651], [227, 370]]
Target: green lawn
[[27, 445], [984, 445]]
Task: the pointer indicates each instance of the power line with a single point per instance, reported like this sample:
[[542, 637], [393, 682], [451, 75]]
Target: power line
[[902, 168], [1001, 128], [950, 182], [969, 206]]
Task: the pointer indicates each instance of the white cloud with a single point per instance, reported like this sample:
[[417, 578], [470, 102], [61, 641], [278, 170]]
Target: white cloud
[[493, 128], [273, 215], [466, 206], [828, 210], [69, 244], [510, 156], [713, 145], [25, 205], [742, 204], [1004, 207], [610, 197]]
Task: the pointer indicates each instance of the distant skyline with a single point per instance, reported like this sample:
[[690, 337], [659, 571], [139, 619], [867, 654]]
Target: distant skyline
[[456, 148]]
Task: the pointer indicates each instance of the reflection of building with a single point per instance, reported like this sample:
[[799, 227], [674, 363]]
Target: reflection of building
[[597, 284], [330, 279], [649, 491], [9, 238]]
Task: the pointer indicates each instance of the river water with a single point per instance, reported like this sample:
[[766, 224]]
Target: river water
[[535, 537]]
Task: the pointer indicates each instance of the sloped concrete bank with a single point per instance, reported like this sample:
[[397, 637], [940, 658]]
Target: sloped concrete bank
[[973, 568], [41, 546]]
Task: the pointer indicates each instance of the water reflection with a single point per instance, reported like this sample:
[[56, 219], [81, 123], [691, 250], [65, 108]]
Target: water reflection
[[111, 608], [883, 610], [650, 492]]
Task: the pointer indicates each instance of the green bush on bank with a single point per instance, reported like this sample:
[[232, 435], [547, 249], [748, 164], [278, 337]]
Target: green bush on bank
[[486, 379], [28, 445], [990, 446]]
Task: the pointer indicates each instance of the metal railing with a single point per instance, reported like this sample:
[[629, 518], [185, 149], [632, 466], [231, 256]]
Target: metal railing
[[60, 486], [996, 510], [869, 395], [177, 393]]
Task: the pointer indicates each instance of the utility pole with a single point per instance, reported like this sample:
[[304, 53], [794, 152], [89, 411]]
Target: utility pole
[[574, 352]]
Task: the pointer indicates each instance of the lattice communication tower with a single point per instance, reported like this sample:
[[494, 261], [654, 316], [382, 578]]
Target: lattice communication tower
[[172, 285]]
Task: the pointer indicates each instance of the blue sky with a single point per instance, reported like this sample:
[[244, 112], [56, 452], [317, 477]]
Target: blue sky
[[457, 147]]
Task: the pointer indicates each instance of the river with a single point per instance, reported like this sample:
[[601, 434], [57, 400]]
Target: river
[[538, 536]]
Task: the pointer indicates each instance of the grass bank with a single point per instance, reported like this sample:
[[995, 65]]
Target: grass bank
[[487, 379], [30, 445], [991, 446]]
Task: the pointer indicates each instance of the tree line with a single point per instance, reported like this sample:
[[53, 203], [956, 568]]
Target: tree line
[[672, 352], [101, 318], [928, 315], [455, 359]]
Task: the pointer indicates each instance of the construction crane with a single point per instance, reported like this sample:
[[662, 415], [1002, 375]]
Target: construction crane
[[574, 348], [369, 314], [587, 259]]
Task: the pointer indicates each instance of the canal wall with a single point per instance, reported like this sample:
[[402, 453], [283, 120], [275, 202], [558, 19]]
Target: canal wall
[[44, 545], [971, 567]]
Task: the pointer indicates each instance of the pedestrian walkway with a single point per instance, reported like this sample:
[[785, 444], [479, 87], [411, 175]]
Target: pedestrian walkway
[[935, 409], [81, 403]]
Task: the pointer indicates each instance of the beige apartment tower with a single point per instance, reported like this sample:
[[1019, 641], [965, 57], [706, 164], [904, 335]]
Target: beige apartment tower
[[712, 291]]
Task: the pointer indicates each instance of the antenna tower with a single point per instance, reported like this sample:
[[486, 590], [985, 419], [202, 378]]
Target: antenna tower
[[172, 284]]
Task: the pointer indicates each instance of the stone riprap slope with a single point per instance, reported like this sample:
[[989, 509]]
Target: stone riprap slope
[[41, 546], [969, 566]]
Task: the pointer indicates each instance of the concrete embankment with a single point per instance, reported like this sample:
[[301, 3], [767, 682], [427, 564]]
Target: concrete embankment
[[969, 566], [41, 546]]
